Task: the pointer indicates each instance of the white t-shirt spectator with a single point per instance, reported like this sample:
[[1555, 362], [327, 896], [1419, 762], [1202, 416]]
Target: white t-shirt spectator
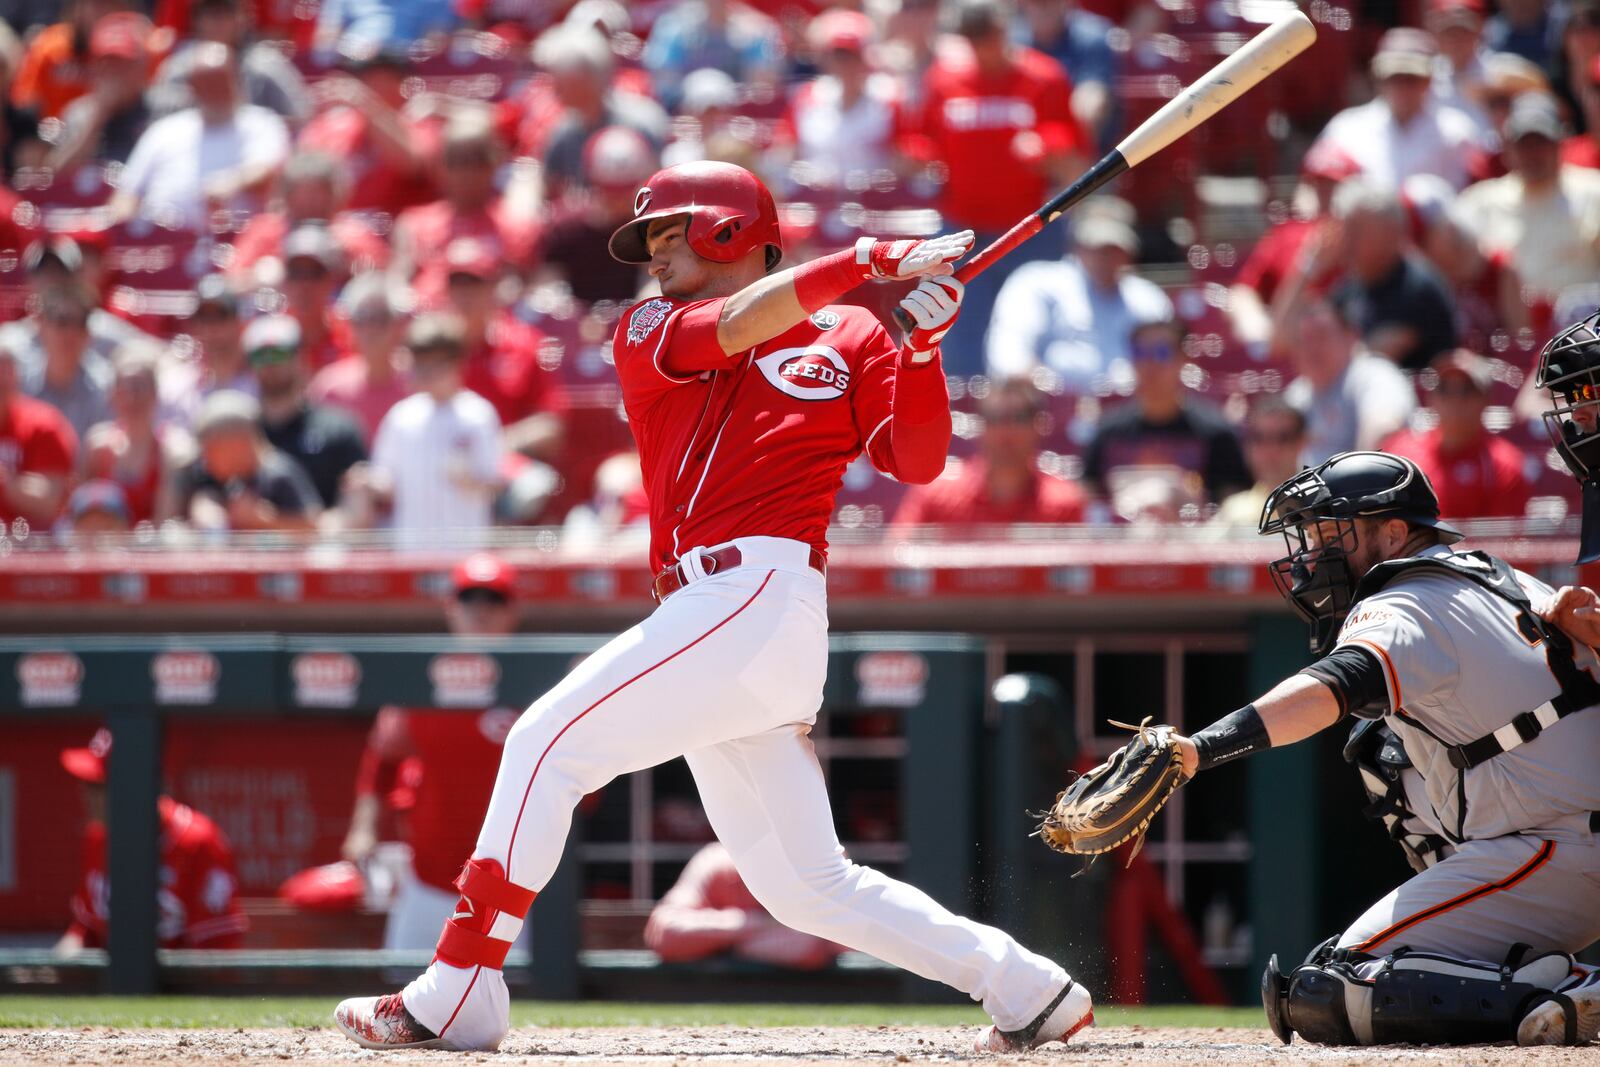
[[1048, 314], [424, 447], [1553, 239], [832, 139], [179, 154], [1439, 140], [1370, 401]]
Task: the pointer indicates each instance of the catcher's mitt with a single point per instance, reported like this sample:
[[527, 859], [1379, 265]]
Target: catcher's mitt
[[1114, 803]]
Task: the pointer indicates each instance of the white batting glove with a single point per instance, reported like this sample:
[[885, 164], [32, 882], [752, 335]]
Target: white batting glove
[[911, 258], [932, 307]]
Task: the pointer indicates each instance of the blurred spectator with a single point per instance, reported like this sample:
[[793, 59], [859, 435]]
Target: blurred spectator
[[98, 507], [55, 69], [56, 263], [269, 79], [1476, 474], [313, 270], [106, 122], [436, 767], [217, 361], [1505, 77], [1079, 41], [381, 24], [1485, 289], [132, 451], [437, 455], [324, 441], [1523, 28], [20, 145], [1003, 484], [1391, 294], [502, 355], [1274, 437], [315, 188], [1351, 398], [1458, 71], [1166, 447], [221, 153], [1583, 149], [909, 37], [290, 23], [71, 376], [842, 121], [580, 65], [377, 375], [739, 41], [1544, 213], [1075, 316], [618, 503], [239, 481], [710, 912], [616, 162], [470, 207], [198, 903], [1579, 48], [1301, 247], [38, 452], [998, 119], [706, 115], [1405, 130], [387, 154]]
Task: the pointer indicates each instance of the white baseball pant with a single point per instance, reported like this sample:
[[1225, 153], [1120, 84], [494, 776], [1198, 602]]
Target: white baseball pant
[[727, 672]]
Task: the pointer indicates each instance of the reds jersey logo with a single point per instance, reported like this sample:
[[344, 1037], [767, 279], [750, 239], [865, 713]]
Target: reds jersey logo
[[646, 317], [817, 372]]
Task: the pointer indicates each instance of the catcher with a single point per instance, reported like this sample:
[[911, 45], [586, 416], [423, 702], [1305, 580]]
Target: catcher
[[1477, 732]]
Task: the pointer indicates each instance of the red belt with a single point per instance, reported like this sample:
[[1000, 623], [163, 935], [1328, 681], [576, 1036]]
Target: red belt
[[674, 578]]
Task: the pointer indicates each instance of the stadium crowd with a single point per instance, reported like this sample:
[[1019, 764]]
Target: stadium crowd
[[341, 266]]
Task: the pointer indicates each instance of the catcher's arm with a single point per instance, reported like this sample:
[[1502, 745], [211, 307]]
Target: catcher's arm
[[1291, 711]]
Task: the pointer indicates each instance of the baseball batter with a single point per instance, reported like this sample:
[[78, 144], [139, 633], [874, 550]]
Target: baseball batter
[[1483, 764], [748, 394]]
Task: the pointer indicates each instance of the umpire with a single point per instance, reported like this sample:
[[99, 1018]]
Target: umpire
[[1478, 736]]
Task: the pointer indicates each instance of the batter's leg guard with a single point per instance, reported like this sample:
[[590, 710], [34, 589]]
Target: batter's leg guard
[[487, 918]]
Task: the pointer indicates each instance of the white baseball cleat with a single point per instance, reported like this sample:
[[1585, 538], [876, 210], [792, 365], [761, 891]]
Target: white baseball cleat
[[1571, 1018], [1071, 1011], [384, 1023]]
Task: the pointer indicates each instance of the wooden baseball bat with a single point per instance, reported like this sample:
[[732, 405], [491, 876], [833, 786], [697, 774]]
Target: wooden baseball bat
[[1220, 86]]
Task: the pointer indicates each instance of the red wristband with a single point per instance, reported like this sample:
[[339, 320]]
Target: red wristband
[[823, 281]]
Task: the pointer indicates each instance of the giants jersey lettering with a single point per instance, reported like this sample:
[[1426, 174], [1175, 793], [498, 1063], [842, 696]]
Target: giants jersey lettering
[[758, 446]]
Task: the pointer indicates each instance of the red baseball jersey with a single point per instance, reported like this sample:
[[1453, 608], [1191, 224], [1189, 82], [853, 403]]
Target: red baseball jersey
[[757, 444], [197, 900], [972, 123], [442, 766], [35, 438]]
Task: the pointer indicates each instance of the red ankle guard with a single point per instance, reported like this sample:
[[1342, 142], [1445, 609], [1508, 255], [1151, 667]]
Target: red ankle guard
[[485, 895]]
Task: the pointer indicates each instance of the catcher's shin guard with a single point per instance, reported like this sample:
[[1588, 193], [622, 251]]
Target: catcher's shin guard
[[487, 919], [1342, 998]]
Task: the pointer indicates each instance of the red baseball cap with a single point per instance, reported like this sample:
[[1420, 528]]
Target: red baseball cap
[[1443, 13], [848, 30], [470, 256], [119, 35], [1328, 160], [89, 764], [484, 571]]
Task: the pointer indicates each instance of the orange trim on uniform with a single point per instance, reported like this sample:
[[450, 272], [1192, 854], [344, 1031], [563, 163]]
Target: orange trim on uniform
[[1539, 859], [1388, 667]]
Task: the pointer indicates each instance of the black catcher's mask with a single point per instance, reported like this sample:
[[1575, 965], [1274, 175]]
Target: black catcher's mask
[[1317, 579], [1569, 366]]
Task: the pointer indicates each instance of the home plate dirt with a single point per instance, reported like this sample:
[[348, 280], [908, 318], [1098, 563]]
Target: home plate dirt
[[790, 1046]]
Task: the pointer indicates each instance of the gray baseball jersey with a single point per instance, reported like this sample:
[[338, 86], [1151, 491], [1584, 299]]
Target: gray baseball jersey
[[1456, 663]]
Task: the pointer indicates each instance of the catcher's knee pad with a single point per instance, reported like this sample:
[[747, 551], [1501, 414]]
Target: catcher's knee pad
[[487, 919], [1341, 998]]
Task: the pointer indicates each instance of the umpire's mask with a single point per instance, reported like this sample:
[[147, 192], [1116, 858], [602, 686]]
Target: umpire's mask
[[1316, 513]]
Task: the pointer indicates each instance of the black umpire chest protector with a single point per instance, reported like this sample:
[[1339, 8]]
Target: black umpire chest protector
[[1579, 690]]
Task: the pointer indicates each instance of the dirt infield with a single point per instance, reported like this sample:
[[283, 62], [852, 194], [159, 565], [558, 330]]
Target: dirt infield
[[790, 1046]]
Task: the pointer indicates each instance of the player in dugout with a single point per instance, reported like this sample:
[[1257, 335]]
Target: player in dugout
[[748, 388]]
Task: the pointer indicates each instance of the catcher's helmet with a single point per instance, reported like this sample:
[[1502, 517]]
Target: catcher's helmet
[[730, 213], [1316, 579], [1569, 366]]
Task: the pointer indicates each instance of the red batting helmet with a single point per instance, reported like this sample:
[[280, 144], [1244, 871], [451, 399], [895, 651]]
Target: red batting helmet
[[731, 213]]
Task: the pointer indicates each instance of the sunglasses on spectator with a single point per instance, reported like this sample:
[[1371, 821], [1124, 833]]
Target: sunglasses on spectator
[[1158, 351], [268, 355], [479, 595]]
